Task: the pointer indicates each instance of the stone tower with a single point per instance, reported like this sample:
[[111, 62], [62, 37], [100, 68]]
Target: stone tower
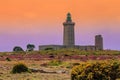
[[99, 42], [68, 36]]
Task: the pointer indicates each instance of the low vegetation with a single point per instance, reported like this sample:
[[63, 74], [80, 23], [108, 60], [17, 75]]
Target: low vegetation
[[100, 70], [65, 52], [17, 49], [84, 64], [8, 59], [30, 47], [55, 63], [19, 68], [70, 52]]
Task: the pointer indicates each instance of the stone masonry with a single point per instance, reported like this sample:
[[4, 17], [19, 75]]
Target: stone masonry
[[69, 39]]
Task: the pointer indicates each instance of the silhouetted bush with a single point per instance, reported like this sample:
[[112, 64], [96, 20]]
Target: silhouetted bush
[[19, 68], [49, 49], [30, 47], [8, 59], [17, 49]]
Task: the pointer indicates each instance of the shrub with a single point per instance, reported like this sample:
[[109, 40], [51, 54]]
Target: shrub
[[75, 64], [30, 47], [19, 68], [18, 49], [55, 62], [49, 49], [8, 59], [96, 71]]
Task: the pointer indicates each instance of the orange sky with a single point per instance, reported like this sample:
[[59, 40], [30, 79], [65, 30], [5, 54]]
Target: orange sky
[[47, 10], [32, 12]]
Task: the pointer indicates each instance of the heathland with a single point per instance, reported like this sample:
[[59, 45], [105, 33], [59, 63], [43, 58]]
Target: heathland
[[50, 64]]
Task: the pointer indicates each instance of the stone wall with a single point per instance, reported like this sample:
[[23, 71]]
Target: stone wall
[[56, 47]]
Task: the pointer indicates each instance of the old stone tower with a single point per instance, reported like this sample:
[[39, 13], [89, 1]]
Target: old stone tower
[[99, 42], [68, 35], [69, 39]]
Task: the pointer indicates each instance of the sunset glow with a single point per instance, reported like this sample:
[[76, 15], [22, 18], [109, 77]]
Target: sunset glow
[[40, 22]]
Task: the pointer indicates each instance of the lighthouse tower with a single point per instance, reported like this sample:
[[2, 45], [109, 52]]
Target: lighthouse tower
[[99, 42], [68, 36]]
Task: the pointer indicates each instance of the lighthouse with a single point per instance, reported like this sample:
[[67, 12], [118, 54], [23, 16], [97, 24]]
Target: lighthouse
[[68, 35]]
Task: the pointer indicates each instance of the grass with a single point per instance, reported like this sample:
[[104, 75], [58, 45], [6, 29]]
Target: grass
[[66, 52], [6, 68], [34, 76], [55, 63]]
